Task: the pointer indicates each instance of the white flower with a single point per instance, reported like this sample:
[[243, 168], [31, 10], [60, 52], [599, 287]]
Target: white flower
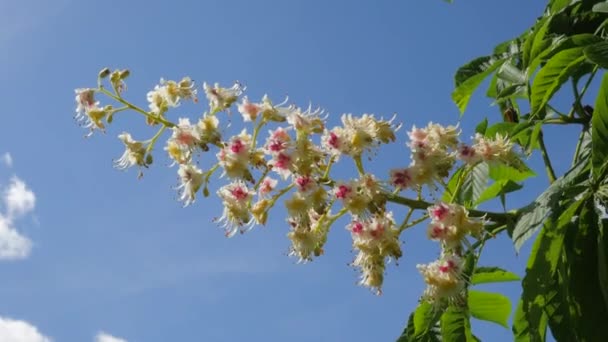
[[88, 112], [444, 278], [191, 179], [222, 98], [249, 110], [236, 197], [134, 153]]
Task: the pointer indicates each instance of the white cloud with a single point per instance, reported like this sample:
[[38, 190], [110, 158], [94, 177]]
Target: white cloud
[[19, 200], [20, 331], [105, 337], [7, 159], [12, 244]]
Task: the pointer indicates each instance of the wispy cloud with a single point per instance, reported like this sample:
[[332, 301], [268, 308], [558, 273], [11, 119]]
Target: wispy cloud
[[20, 331], [7, 159], [105, 337], [12, 244], [18, 201]]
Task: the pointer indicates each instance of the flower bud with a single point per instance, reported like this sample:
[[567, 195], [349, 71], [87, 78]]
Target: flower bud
[[105, 72], [124, 74]]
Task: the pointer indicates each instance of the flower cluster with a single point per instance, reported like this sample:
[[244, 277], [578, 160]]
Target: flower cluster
[[168, 95], [444, 278], [450, 224], [300, 151], [435, 149], [376, 238], [432, 156], [358, 134], [485, 149]]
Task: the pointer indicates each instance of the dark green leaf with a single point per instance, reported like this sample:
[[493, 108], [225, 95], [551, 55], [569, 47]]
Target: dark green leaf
[[532, 216], [599, 130], [455, 325], [552, 75], [500, 187], [598, 54], [487, 306], [580, 287], [482, 126], [492, 275]]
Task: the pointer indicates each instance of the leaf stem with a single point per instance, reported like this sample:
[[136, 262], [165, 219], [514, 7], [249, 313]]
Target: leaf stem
[[136, 108], [546, 159]]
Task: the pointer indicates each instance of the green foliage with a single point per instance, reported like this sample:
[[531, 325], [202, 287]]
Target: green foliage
[[492, 307], [550, 78], [456, 325], [599, 130], [484, 275]]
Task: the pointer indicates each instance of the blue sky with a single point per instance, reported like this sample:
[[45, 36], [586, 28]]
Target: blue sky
[[113, 254]]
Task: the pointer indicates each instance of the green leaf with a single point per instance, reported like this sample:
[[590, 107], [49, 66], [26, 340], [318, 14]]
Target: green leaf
[[558, 5], [422, 324], [598, 54], [482, 126], [500, 187], [602, 7], [470, 76], [503, 172], [539, 43], [550, 77], [522, 330], [533, 141], [599, 130], [472, 186], [561, 44], [540, 298], [484, 275], [455, 325], [487, 306]]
